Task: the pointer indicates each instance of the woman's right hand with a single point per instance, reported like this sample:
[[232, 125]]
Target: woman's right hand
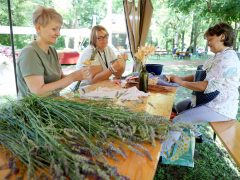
[[93, 70]]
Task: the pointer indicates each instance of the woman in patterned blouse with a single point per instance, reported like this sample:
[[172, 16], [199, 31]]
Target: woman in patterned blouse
[[222, 75]]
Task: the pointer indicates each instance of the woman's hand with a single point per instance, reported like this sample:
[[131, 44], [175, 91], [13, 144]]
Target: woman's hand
[[118, 67], [174, 78], [93, 70], [86, 73], [123, 56]]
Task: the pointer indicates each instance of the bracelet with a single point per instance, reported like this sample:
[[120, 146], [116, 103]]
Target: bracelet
[[114, 71], [110, 69]]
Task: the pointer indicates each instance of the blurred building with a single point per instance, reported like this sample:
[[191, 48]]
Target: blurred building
[[117, 27]]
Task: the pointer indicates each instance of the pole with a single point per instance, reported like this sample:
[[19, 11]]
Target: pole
[[12, 41]]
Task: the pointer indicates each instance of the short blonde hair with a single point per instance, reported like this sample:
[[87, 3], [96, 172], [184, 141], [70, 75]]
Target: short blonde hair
[[93, 35], [43, 16]]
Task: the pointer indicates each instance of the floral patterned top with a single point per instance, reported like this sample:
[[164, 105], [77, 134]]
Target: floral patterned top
[[223, 74]]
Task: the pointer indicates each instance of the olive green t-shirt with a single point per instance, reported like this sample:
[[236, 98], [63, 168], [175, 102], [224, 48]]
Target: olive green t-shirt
[[34, 61]]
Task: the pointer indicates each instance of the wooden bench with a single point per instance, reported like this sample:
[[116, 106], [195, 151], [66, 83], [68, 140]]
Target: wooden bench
[[160, 53], [229, 134]]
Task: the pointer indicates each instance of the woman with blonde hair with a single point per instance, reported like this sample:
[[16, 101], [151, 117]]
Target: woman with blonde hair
[[38, 68], [100, 53]]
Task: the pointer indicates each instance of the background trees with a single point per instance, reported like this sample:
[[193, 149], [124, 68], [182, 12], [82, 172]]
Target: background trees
[[209, 12], [178, 23]]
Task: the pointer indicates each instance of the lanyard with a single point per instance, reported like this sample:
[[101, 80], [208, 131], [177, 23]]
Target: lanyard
[[103, 59]]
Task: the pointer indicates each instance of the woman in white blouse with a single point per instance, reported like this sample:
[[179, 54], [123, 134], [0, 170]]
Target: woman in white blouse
[[100, 53], [222, 75]]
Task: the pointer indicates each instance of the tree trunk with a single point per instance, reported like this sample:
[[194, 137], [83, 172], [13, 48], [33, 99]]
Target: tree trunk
[[173, 44], [193, 39], [236, 35], [195, 36], [176, 40], [206, 48], [183, 34]]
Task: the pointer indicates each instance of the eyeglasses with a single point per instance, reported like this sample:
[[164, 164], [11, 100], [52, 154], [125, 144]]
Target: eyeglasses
[[101, 38]]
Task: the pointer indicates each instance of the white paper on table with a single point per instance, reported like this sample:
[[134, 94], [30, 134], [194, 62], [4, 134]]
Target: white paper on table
[[123, 94]]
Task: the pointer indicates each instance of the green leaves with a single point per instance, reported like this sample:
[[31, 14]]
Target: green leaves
[[219, 9]]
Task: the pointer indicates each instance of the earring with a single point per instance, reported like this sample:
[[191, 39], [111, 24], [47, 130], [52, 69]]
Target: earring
[[222, 38]]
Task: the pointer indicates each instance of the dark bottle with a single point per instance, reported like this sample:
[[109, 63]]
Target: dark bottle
[[143, 79]]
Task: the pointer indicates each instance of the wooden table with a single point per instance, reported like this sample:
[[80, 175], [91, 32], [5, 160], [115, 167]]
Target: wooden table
[[135, 166], [182, 54], [158, 103], [160, 53]]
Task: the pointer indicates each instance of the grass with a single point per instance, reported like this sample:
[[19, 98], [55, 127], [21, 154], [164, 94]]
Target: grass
[[211, 159]]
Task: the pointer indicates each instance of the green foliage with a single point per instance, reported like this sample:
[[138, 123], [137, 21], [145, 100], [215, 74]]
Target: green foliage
[[60, 43], [19, 10], [212, 9], [19, 40], [188, 17], [81, 13], [5, 39], [117, 6], [206, 13], [3, 14]]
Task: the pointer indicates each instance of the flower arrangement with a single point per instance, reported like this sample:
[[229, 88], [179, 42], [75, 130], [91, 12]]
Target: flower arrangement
[[143, 53]]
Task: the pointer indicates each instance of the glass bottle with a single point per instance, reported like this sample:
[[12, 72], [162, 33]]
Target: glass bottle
[[143, 79]]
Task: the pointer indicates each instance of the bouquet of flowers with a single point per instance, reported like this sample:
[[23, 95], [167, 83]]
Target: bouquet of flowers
[[143, 53]]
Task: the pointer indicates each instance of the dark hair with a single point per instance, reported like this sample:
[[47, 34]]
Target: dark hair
[[219, 29], [93, 35]]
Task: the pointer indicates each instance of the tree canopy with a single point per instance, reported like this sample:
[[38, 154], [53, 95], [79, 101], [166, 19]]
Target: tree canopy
[[175, 22]]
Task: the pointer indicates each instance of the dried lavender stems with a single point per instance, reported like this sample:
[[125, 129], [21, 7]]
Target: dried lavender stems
[[72, 139]]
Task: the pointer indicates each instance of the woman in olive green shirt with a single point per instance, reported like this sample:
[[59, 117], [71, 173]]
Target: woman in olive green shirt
[[38, 68]]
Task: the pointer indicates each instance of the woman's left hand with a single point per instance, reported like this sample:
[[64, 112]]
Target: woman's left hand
[[123, 57], [118, 67], [174, 78]]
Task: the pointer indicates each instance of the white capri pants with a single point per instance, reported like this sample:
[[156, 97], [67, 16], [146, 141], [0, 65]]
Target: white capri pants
[[196, 115]]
